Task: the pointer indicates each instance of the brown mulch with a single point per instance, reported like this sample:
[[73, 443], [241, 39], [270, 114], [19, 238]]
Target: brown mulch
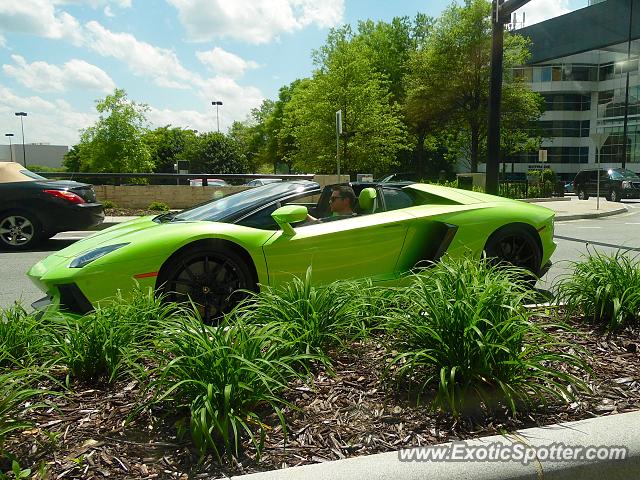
[[349, 412], [129, 212]]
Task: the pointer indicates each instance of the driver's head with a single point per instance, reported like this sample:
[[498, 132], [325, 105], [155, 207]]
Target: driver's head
[[343, 200]]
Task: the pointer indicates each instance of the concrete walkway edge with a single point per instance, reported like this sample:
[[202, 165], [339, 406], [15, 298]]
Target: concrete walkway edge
[[613, 431]]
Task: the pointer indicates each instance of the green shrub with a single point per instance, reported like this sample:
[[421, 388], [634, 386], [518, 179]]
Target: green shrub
[[106, 343], [312, 318], [463, 332], [604, 288], [108, 204], [158, 206], [229, 378], [23, 338]]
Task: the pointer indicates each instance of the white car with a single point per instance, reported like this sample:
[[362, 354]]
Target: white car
[[211, 182]]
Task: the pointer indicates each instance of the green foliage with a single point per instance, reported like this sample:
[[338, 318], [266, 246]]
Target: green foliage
[[448, 84], [167, 145], [229, 378], [108, 204], [15, 391], [115, 143], [72, 161], [215, 153], [546, 175], [604, 288], [105, 344], [45, 169], [312, 319], [22, 337], [463, 331], [158, 206]]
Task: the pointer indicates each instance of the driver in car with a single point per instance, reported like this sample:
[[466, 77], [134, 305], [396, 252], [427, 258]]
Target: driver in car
[[341, 203]]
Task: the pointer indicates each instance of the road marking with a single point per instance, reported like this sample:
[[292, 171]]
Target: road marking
[[588, 227], [602, 244], [632, 223]]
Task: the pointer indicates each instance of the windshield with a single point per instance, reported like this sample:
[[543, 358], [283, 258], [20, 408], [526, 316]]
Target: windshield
[[224, 207], [622, 174]]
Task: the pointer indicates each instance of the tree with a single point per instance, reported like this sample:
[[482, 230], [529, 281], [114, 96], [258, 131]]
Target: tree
[[166, 146], [448, 83], [114, 143], [72, 161], [372, 124], [215, 153]]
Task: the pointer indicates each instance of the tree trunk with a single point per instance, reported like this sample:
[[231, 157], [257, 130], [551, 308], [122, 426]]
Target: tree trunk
[[475, 142], [419, 153]]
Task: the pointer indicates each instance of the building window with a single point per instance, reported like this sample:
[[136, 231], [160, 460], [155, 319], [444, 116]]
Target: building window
[[564, 128], [554, 155], [570, 102]]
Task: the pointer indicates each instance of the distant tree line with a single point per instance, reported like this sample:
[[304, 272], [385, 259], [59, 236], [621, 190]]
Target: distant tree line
[[413, 95]]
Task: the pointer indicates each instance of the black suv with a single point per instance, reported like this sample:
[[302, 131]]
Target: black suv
[[615, 184]]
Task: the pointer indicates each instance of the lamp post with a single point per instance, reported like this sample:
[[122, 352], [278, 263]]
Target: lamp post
[[24, 154], [10, 145], [217, 103]]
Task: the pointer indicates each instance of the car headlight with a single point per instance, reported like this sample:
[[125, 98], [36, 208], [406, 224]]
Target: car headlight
[[626, 184], [90, 256]]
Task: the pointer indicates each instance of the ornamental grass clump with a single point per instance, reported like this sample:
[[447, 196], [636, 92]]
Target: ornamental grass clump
[[604, 289], [108, 342], [230, 378], [464, 337], [23, 339], [312, 319]]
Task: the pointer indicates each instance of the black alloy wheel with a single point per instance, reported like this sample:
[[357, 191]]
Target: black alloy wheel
[[209, 279], [18, 230], [515, 246]]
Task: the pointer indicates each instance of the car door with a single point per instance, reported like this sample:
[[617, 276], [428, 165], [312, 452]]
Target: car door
[[355, 247]]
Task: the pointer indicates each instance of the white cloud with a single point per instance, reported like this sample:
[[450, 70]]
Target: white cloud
[[539, 10], [254, 21], [39, 17], [225, 63], [142, 58], [45, 77], [108, 12], [55, 121]]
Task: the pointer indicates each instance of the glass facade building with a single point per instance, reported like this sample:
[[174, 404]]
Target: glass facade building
[[590, 91]]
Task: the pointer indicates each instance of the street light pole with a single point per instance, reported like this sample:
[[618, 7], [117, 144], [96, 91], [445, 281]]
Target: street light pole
[[217, 103], [10, 145], [24, 153]]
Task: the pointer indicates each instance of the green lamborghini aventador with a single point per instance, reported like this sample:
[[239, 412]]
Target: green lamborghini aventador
[[263, 236]]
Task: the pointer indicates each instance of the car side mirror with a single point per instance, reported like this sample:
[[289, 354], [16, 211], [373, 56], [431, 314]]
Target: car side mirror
[[285, 216]]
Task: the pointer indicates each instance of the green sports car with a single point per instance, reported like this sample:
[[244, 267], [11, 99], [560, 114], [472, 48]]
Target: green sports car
[[264, 236]]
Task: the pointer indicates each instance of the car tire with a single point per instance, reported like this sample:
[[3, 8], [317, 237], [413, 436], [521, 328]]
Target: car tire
[[582, 194], [515, 245], [19, 230], [614, 196], [212, 277]]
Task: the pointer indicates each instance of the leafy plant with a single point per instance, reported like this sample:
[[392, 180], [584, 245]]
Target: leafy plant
[[108, 204], [462, 330], [103, 344], [22, 337], [311, 318], [229, 378], [604, 288], [158, 206]]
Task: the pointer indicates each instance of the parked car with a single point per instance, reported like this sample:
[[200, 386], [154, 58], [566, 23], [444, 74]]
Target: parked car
[[33, 208], [211, 182], [261, 236], [258, 182], [615, 184]]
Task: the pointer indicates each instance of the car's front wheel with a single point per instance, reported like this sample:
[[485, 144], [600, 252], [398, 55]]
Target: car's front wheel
[[516, 246], [582, 195], [210, 278], [614, 196], [19, 230]]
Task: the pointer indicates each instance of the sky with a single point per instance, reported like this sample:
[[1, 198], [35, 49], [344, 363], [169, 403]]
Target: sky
[[57, 57]]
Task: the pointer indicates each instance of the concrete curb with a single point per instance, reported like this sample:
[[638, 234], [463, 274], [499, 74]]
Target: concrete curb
[[610, 431], [578, 216], [542, 200]]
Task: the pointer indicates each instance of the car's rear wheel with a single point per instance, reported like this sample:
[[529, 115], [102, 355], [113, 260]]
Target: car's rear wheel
[[515, 245], [582, 195], [19, 230], [210, 278]]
